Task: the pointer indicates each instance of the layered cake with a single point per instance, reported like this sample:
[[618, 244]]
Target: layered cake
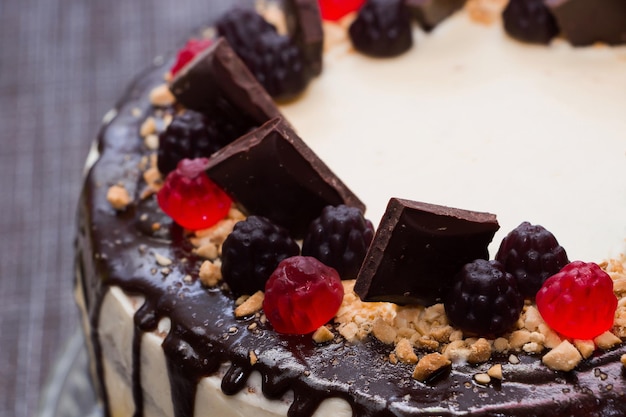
[[362, 238]]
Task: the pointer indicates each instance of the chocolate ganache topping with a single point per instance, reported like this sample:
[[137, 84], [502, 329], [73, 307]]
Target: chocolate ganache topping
[[114, 248], [112, 252]]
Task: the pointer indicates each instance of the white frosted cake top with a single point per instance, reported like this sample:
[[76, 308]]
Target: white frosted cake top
[[471, 118]]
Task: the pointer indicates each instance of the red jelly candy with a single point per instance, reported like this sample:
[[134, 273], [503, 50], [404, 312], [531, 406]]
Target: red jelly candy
[[188, 52], [336, 9], [190, 198], [578, 301], [301, 295]]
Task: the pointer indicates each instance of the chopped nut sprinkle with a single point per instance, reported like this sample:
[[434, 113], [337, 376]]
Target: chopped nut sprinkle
[[564, 357], [210, 274], [585, 347], [253, 357], [118, 197], [323, 335], [607, 340], [482, 379], [404, 351], [429, 365], [161, 96], [162, 260], [251, 305], [148, 127], [495, 371]]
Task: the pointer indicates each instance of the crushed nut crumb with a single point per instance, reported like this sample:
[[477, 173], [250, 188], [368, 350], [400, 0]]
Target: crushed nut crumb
[[208, 251], [162, 260], [564, 357], [384, 332], [253, 357], [161, 96], [210, 274], [495, 371], [607, 340], [429, 365], [148, 127], [485, 12], [251, 305], [585, 347], [323, 335], [118, 197], [404, 352], [480, 351], [482, 379], [151, 142]]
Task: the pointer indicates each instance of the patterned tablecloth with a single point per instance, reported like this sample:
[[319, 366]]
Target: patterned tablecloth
[[63, 64]]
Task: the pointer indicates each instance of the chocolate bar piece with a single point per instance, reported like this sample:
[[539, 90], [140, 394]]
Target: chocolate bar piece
[[584, 22], [218, 71], [429, 13], [304, 23], [417, 250], [271, 172]]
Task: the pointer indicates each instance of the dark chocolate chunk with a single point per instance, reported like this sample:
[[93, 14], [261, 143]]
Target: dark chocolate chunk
[[584, 22], [218, 72], [304, 22], [417, 250], [429, 13], [271, 172]]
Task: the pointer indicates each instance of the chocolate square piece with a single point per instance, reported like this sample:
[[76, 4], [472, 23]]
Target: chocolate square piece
[[417, 250], [273, 173], [218, 72], [584, 22], [304, 22], [429, 13]]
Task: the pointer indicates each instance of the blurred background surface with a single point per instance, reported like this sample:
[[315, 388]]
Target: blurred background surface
[[63, 64]]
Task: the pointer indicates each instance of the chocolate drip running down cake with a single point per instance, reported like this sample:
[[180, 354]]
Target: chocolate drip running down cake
[[467, 119]]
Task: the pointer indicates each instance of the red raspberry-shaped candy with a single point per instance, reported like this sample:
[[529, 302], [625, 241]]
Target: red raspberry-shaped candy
[[301, 295], [190, 198], [578, 301], [336, 9], [192, 48]]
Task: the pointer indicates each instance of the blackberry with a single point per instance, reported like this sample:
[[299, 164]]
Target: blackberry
[[531, 254], [252, 252], [484, 299], [339, 238], [275, 60], [530, 21], [189, 135], [382, 28]]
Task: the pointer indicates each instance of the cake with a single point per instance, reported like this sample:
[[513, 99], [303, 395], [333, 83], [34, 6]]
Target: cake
[[465, 123]]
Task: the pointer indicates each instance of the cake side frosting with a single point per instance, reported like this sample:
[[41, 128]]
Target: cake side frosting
[[119, 249]]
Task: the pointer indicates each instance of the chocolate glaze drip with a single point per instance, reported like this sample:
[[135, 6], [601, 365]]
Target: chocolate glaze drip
[[114, 251]]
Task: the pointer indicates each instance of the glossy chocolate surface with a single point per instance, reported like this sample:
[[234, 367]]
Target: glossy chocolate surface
[[429, 13], [304, 23], [271, 172], [117, 249], [584, 22], [418, 249], [218, 72]]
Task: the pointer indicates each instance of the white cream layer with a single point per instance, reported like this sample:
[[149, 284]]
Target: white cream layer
[[468, 118], [473, 119]]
